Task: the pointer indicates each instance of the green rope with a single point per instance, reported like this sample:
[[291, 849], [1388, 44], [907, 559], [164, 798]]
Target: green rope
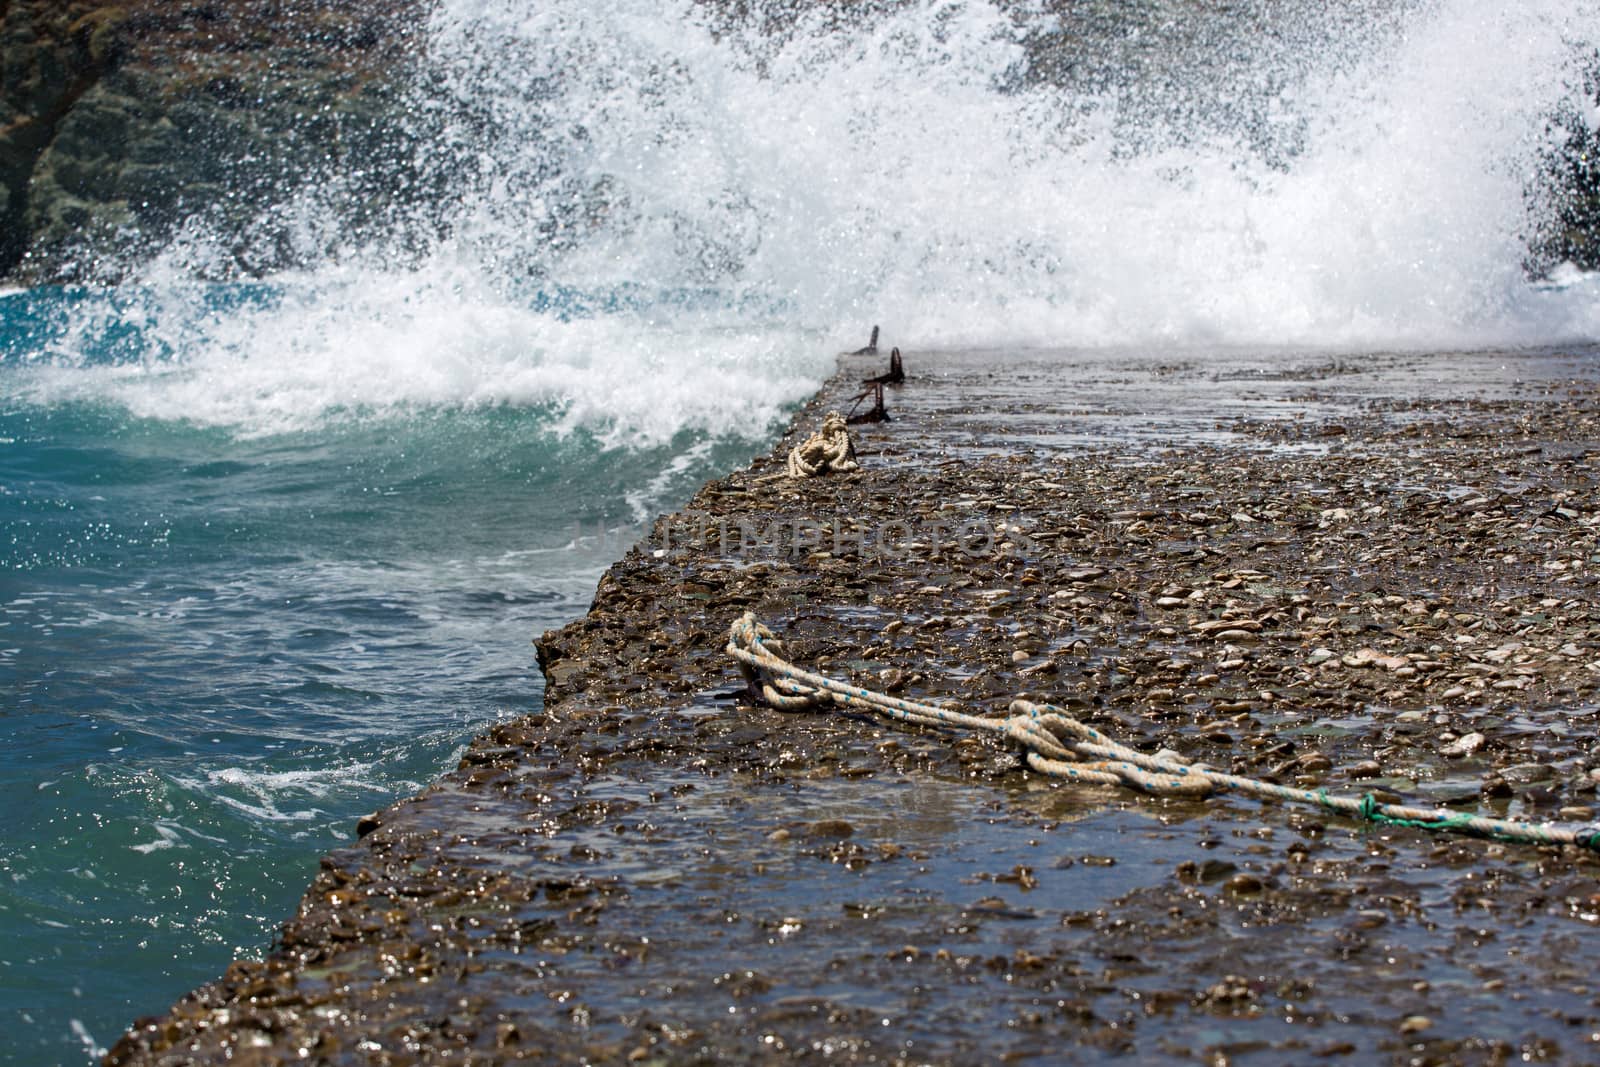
[[1062, 747], [1372, 810]]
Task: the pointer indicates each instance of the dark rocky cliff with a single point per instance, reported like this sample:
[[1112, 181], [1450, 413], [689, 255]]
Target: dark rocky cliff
[[121, 123], [1571, 186]]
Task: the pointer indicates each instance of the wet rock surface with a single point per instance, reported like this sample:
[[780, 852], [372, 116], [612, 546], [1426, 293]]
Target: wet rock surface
[[122, 124], [1369, 574]]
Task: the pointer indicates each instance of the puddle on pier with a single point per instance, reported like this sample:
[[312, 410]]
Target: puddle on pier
[[1069, 401], [923, 914]]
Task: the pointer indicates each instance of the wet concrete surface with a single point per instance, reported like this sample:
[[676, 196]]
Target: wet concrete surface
[[1364, 573]]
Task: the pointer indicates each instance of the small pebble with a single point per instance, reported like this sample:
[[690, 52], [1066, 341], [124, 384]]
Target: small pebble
[[1244, 884], [1528, 773], [1462, 746]]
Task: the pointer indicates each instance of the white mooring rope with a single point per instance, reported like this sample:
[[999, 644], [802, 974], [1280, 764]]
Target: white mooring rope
[[1062, 747]]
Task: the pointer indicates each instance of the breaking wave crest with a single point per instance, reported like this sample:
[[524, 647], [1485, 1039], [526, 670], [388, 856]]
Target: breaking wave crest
[[664, 217]]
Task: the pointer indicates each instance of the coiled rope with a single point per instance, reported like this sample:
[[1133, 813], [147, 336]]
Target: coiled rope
[[1060, 746], [829, 449]]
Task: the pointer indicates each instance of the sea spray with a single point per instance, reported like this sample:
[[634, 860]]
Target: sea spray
[[980, 173], [666, 218]]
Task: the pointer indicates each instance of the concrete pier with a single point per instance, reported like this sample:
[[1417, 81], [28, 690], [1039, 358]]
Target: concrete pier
[[1370, 574]]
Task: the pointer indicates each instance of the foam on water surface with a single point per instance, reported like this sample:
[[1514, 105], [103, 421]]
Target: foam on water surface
[[322, 352]]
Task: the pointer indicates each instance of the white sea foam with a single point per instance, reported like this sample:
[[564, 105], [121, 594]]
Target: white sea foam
[[166, 837], [94, 1049], [338, 347], [880, 172], [1347, 176], [270, 796]]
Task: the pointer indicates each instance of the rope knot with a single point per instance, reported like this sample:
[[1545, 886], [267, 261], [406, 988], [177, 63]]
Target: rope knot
[[827, 450]]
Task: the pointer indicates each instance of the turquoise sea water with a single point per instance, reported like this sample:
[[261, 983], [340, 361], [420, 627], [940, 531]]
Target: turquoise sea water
[[218, 649]]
